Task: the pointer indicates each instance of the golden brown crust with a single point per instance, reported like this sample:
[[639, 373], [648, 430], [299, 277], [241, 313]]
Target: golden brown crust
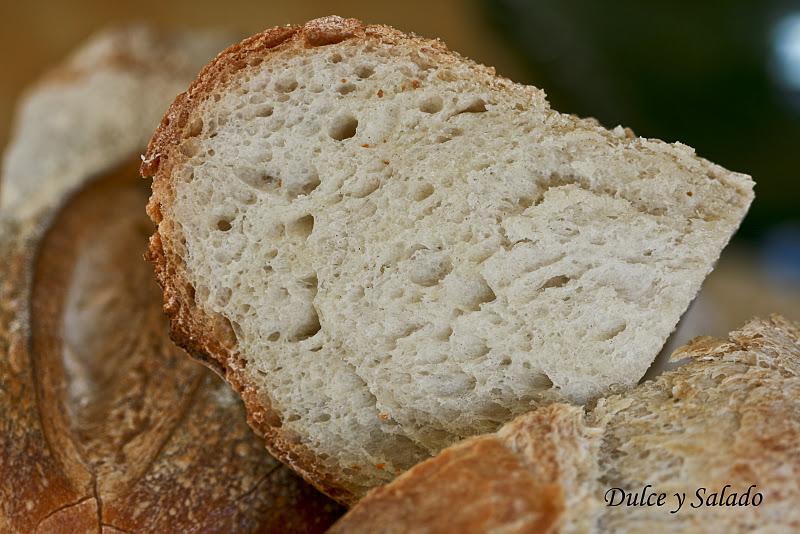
[[209, 338], [476, 473], [104, 424], [729, 416], [517, 480]]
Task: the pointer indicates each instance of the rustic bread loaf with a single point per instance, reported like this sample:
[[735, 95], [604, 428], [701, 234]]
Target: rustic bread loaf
[[386, 247], [729, 416], [104, 423]]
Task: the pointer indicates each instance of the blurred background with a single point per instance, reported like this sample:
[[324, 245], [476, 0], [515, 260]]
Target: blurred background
[[723, 77]]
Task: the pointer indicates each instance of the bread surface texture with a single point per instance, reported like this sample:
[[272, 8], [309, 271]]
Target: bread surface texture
[[387, 248], [728, 416]]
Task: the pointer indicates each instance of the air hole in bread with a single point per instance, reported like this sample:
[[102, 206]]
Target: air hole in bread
[[258, 179], [365, 71], [308, 329], [540, 381], [224, 296], [262, 111], [613, 332], [195, 127], [311, 183], [346, 88], [449, 135], [343, 127], [275, 336], [428, 267], [525, 202], [190, 148], [483, 296], [423, 192], [556, 281], [445, 334], [432, 104], [496, 412], [301, 227], [285, 85], [184, 174], [336, 57], [475, 105], [310, 282]]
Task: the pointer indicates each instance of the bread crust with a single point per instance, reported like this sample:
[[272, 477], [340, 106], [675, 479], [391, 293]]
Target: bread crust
[[761, 360], [208, 338], [161, 445], [517, 480]]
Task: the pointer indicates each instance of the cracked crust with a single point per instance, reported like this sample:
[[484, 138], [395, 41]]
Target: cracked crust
[[105, 424], [209, 338]]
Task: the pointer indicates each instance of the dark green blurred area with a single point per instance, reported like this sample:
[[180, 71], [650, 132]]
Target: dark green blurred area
[[703, 73]]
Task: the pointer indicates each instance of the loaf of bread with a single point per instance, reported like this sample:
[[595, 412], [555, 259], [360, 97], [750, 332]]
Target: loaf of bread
[[385, 247], [106, 425], [105, 422], [720, 431]]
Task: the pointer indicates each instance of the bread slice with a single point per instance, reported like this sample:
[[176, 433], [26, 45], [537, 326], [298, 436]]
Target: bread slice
[[95, 109], [386, 247], [731, 415]]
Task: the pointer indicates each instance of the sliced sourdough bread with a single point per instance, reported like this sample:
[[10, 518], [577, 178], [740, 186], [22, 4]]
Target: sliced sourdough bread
[[385, 247], [730, 416]]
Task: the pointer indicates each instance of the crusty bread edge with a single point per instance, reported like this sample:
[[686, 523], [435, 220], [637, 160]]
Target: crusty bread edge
[[209, 337], [553, 444], [552, 437]]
